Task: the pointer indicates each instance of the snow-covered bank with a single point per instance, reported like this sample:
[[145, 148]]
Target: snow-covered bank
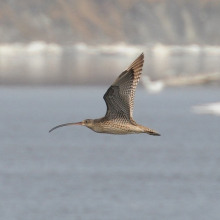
[[39, 62]]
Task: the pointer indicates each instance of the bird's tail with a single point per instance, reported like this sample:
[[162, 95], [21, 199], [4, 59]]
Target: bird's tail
[[150, 131]]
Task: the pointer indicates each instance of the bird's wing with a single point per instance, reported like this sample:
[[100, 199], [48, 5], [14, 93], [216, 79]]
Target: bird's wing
[[119, 97]]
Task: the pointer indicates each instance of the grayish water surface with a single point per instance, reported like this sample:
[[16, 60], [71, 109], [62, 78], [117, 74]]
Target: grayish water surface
[[74, 173]]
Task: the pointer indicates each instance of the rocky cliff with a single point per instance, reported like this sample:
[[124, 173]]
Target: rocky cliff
[[104, 21]]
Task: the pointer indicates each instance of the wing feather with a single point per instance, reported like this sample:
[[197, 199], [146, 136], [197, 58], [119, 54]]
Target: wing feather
[[119, 97]]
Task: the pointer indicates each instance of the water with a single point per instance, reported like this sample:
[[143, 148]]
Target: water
[[74, 173]]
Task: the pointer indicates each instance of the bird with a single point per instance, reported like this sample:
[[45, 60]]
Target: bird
[[152, 86], [119, 99]]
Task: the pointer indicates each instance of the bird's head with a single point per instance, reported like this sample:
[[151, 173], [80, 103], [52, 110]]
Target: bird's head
[[87, 122]]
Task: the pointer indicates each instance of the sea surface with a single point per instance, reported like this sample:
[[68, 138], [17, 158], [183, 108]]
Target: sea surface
[[74, 173]]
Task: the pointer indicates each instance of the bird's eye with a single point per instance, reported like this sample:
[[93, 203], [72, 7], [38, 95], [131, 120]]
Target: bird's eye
[[86, 121]]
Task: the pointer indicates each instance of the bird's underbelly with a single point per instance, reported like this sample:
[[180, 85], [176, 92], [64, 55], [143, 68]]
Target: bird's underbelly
[[119, 129]]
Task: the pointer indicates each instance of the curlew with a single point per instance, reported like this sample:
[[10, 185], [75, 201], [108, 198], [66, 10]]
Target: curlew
[[119, 100]]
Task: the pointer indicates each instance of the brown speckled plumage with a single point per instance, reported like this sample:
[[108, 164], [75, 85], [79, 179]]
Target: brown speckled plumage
[[119, 100]]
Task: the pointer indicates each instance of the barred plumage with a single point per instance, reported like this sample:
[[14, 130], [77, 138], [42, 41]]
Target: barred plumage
[[119, 100]]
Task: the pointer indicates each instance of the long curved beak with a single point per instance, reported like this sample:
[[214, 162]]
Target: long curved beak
[[77, 123]]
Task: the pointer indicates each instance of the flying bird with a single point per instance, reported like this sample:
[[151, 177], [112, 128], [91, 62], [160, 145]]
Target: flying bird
[[119, 100]]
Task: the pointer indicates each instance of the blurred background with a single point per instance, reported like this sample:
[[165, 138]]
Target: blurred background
[[58, 58], [89, 42]]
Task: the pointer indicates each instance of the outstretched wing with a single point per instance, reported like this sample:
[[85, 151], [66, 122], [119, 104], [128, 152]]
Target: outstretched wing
[[119, 97]]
